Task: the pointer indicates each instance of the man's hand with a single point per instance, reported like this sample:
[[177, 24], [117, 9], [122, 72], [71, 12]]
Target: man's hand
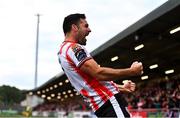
[[137, 68], [128, 86]]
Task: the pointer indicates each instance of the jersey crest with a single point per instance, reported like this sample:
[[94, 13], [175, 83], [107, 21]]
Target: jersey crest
[[79, 52]]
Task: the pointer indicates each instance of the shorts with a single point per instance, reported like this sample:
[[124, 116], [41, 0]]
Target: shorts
[[116, 107]]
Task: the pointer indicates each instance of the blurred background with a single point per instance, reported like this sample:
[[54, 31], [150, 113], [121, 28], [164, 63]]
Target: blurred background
[[32, 83]]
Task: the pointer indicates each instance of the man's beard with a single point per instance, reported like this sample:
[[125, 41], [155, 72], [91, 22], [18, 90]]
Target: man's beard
[[82, 42]]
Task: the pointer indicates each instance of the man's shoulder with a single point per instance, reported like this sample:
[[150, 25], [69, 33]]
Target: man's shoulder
[[77, 47]]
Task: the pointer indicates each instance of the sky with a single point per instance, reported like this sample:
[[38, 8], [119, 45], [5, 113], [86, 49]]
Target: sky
[[18, 30]]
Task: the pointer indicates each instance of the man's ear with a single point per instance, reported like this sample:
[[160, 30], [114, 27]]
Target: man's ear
[[74, 27]]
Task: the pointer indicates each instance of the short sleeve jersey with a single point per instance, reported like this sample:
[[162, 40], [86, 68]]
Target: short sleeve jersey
[[71, 57]]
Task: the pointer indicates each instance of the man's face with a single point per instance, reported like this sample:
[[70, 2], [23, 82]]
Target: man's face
[[83, 31]]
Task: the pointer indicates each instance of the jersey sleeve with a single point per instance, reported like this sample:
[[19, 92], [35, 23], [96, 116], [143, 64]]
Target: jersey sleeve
[[79, 54]]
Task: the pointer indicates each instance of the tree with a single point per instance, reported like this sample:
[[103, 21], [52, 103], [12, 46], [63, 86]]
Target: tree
[[10, 95]]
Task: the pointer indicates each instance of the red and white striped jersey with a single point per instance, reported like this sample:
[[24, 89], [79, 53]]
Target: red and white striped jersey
[[71, 57]]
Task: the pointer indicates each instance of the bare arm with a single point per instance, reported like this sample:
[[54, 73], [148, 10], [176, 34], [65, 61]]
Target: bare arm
[[123, 89], [91, 68]]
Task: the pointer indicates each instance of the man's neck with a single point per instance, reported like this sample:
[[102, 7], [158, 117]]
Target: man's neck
[[70, 38]]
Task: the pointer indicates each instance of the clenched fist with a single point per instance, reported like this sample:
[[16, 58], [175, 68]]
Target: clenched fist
[[136, 68], [128, 86]]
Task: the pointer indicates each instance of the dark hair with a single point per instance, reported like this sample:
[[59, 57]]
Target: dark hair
[[71, 19]]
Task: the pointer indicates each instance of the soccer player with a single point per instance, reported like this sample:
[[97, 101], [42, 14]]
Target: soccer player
[[93, 82]]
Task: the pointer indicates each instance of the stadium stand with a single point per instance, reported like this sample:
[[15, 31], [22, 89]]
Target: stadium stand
[[157, 37]]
